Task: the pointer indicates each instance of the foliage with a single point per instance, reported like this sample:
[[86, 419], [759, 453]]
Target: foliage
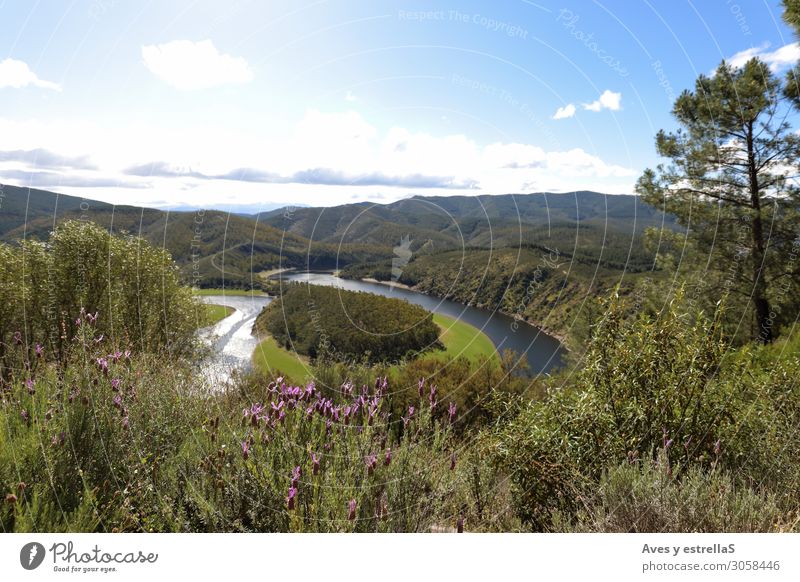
[[83, 269], [656, 384], [326, 322], [647, 496], [126, 442], [729, 182]]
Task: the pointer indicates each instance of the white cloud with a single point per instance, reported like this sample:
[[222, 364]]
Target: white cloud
[[324, 158], [16, 74], [565, 112], [194, 65], [608, 100], [350, 97], [781, 58]]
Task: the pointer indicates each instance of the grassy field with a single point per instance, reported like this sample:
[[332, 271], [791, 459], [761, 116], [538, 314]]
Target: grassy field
[[460, 339], [220, 291], [464, 340], [269, 357], [209, 315]]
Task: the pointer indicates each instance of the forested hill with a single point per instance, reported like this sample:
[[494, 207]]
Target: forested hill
[[220, 247], [484, 221]]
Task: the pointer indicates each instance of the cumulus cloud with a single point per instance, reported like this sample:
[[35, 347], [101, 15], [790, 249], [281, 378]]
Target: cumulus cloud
[[191, 65], [608, 100], [780, 58], [565, 112], [16, 74]]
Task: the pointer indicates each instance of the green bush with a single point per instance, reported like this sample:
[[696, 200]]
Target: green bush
[[44, 286], [647, 496]]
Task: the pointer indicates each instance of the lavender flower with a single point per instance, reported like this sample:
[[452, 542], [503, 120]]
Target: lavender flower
[[25, 416], [245, 449], [102, 363], [432, 397], [351, 507], [115, 384], [125, 422], [296, 472], [31, 386], [117, 402], [290, 498], [39, 351], [314, 464], [371, 461], [451, 411], [387, 460], [421, 386]]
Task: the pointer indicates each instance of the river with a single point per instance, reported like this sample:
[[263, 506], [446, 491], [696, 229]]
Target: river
[[232, 339], [543, 352]]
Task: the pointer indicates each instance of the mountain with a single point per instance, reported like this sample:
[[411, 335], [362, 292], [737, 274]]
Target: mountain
[[212, 247]]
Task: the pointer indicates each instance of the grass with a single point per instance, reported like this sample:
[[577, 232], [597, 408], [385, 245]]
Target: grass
[[231, 292], [459, 338], [269, 357], [210, 314], [464, 340]]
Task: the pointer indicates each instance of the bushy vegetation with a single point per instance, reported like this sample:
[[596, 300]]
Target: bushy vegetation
[[48, 288], [661, 389], [350, 326]]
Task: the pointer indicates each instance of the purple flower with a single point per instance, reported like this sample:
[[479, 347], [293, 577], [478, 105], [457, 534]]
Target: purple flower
[[351, 509], [371, 461], [421, 386], [116, 356], [25, 416], [290, 498], [245, 449], [127, 354], [432, 397], [387, 460], [117, 402], [39, 351], [91, 318], [296, 472], [314, 464], [371, 411], [115, 384], [451, 411], [125, 422], [31, 386], [102, 363], [407, 419]]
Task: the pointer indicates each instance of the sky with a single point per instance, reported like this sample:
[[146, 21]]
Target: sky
[[252, 104]]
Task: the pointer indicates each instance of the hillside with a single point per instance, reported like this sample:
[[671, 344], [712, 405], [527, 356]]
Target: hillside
[[212, 247]]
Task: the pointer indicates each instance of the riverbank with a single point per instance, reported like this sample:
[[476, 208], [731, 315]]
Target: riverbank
[[556, 334]]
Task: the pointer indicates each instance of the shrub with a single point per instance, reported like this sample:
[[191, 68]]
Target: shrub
[[647, 496]]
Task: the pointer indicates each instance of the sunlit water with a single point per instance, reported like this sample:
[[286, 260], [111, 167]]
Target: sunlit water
[[232, 339]]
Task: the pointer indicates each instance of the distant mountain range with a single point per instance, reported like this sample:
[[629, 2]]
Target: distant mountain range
[[215, 247]]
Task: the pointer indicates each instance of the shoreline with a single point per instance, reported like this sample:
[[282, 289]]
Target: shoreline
[[560, 337]]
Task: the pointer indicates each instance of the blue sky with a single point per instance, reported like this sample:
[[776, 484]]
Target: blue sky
[[328, 102]]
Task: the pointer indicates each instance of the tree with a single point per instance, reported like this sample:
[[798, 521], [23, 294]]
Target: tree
[[729, 180]]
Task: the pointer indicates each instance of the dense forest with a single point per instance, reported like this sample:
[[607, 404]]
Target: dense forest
[[325, 322]]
